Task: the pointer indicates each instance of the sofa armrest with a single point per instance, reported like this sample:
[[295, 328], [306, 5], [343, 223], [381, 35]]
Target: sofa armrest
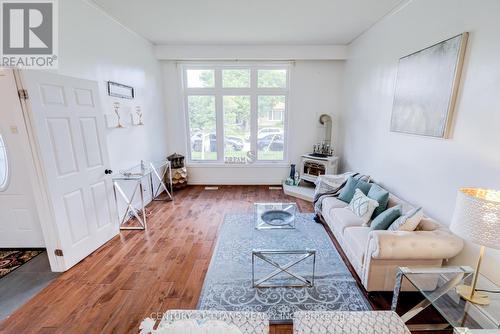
[[415, 245]]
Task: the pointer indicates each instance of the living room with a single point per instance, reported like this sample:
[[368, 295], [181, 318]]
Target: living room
[[250, 167]]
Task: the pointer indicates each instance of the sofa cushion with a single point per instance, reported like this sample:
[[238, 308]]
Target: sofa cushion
[[356, 239], [343, 218], [331, 203], [381, 196], [353, 183], [362, 206], [394, 200]]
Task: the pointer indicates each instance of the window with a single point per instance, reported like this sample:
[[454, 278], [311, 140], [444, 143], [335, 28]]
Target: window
[[272, 79], [270, 138], [202, 123], [4, 165], [200, 78], [236, 114], [236, 78]]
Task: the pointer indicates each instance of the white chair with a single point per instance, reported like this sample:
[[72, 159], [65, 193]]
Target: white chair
[[343, 322], [208, 322]]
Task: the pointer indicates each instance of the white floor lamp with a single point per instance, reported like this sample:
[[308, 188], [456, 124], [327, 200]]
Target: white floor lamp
[[477, 219]]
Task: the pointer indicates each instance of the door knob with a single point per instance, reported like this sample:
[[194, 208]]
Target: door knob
[[108, 171]]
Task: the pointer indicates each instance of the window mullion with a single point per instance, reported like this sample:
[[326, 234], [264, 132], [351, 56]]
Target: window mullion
[[219, 115], [253, 112]]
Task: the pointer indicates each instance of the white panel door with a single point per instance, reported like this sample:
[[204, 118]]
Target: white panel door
[[69, 127], [19, 223]]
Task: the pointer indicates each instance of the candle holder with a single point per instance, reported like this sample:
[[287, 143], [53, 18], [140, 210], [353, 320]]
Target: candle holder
[[116, 106], [138, 112]]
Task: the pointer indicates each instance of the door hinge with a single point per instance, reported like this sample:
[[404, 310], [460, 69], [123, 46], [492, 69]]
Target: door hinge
[[58, 252], [23, 94]]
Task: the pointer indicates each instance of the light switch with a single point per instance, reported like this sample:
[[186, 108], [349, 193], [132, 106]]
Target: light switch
[[14, 129]]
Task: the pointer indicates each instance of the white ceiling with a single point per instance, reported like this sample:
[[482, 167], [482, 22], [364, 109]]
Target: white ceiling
[[248, 21]]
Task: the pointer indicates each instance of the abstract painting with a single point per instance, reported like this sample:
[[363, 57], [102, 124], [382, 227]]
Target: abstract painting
[[426, 88]]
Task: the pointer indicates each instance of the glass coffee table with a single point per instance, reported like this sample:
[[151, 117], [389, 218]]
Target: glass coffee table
[[275, 215], [279, 258], [438, 287]]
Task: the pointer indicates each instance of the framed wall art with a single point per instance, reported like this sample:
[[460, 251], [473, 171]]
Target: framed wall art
[[426, 88], [119, 90]]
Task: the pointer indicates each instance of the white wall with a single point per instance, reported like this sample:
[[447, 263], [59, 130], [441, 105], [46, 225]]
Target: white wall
[[423, 170], [93, 46], [315, 89]]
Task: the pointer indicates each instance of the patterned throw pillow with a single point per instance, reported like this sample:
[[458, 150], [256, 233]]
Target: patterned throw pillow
[[408, 222], [362, 206]]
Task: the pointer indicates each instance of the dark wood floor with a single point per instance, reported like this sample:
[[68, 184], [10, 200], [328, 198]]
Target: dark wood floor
[[142, 273]]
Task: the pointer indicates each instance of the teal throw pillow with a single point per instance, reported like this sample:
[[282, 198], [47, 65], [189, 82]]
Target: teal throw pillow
[[353, 183], [381, 196], [386, 218]]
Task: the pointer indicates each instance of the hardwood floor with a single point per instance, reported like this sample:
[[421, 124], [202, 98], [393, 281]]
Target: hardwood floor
[[139, 273]]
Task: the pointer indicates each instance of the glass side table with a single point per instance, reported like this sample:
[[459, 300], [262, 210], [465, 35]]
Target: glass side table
[[438, 287], [135, 175]]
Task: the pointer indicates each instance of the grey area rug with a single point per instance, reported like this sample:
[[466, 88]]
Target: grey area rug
[[228, 283]]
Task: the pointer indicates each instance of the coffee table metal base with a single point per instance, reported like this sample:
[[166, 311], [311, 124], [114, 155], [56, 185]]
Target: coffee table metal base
[[266, 256]]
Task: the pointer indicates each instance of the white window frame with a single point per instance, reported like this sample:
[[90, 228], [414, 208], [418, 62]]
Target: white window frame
[[218, 91]]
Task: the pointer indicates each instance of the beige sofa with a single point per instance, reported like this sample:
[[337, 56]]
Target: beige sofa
[[375, 255]]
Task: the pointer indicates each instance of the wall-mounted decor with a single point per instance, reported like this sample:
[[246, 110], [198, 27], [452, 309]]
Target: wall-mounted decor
[[116, 107], [426, 88], [118, 90], [137, 118]]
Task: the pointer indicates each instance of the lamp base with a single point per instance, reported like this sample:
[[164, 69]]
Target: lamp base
[[479, 298]]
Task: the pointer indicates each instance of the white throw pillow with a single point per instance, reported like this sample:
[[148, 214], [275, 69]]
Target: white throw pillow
[[362, 206], [408, 222]]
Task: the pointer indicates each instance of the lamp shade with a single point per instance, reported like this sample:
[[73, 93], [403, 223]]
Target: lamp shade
[[477, 216]]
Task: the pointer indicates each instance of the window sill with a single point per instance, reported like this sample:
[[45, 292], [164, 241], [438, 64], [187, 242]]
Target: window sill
[[280, 164]]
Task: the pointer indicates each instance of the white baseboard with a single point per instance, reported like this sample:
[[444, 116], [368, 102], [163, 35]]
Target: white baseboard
[[236, 181]]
